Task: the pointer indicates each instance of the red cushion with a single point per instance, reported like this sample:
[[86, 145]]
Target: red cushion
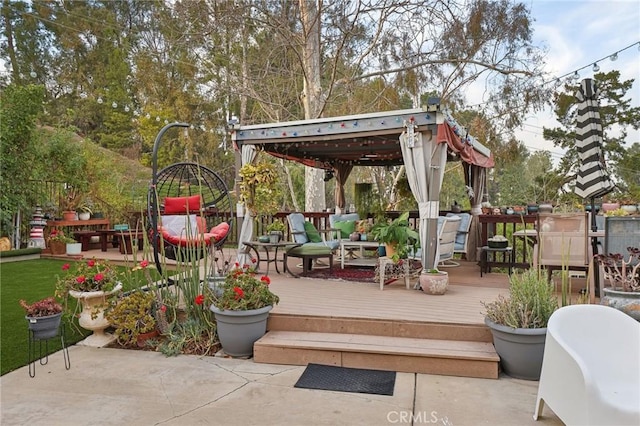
[[178, 205], [216, 234], [220, 231], [183, 240]]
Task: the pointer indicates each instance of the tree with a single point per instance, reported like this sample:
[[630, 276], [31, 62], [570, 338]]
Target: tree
[[19, 108], [437, 46]]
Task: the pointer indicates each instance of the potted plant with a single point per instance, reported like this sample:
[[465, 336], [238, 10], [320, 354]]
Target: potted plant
[[624, 280], [518, 323], [43, 317], [58, 241], [69, 202], [133, 318], [276, 231], [242, 310], [399, 238], [72, 247], [434, 282], [84, 211], [92, 282], [257, 185]]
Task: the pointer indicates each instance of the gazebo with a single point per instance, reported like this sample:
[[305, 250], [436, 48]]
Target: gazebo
[[422, 139]]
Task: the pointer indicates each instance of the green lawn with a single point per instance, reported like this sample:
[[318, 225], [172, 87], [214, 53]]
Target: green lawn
[[30, 280]]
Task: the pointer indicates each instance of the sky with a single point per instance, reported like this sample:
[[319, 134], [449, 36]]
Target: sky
[[577, 34]]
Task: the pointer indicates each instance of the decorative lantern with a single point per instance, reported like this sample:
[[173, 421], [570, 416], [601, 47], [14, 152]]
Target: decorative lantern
[[36, 235]]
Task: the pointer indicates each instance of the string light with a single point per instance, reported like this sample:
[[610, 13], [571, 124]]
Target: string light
[[569, 76]]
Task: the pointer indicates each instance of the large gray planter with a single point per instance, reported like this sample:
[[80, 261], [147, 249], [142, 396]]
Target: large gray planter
[[625, 301], [520, 349], [44, 327], [239, 330]]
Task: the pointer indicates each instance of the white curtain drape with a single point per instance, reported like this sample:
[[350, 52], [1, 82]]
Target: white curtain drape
[[248, 155], [425, 161], [476, 178]]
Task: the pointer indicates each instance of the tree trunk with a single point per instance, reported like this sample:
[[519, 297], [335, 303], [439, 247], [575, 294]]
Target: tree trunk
[[312, 97], [8, 33]]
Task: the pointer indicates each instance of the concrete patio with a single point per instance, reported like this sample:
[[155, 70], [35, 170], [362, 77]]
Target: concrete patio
[[116, 387]]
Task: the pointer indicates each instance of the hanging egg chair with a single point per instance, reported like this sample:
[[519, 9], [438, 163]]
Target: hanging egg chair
[[189, 210]]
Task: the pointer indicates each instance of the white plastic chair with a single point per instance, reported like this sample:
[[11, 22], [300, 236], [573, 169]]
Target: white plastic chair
[[591, 367]]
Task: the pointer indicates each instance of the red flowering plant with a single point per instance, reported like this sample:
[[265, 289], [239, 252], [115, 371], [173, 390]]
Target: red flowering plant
[[244, 290], [87, 275]]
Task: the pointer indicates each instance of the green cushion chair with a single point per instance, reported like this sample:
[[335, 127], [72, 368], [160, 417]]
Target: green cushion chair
[[313, 243]]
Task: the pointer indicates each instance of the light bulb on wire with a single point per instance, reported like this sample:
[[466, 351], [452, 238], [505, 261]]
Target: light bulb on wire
[[576, 76], [596, 67], [614, 57]]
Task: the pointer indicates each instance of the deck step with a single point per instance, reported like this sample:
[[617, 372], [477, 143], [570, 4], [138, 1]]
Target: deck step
[[402, 354], [379, 327]]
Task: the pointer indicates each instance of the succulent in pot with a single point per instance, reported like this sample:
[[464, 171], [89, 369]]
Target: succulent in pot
[[42, 308], [624, 279]]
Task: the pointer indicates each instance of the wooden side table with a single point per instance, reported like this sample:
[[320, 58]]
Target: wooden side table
[[484, 252]]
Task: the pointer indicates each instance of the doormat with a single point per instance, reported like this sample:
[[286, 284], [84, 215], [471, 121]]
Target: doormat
[[344, 379], [364, 275]]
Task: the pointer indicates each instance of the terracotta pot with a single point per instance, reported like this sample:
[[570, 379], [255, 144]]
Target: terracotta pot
[[608, 207], [141, 339], [389, 249], [57, 247], [69, 215]]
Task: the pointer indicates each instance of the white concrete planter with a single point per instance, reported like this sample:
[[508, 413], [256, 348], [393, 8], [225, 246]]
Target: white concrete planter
[[74, 248]]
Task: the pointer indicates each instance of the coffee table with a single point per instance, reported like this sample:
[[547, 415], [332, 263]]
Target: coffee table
[[361, 260]]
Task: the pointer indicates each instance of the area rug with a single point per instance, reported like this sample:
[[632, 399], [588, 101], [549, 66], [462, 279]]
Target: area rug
[[344, 379], [364, 275]]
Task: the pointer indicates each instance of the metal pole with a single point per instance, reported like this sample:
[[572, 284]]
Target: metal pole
[[153, 198], [594, 248]]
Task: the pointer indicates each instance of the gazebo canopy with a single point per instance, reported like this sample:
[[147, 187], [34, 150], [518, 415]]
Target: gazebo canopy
[[421, 139], [371, 139]]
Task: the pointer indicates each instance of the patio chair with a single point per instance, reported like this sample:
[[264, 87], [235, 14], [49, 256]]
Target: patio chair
[[590, 370], [313, 242], [563, 243], [462, 237], [447, 230], [341, 226]]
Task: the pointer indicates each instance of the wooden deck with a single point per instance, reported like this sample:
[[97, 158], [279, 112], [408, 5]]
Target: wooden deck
[[356, 324], [345, 299]]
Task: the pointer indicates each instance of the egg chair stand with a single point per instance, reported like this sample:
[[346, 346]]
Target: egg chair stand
[[189, 209]]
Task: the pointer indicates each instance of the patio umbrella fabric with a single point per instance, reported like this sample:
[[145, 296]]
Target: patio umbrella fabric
[[248, 155], [593, 179], [425, 161]]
